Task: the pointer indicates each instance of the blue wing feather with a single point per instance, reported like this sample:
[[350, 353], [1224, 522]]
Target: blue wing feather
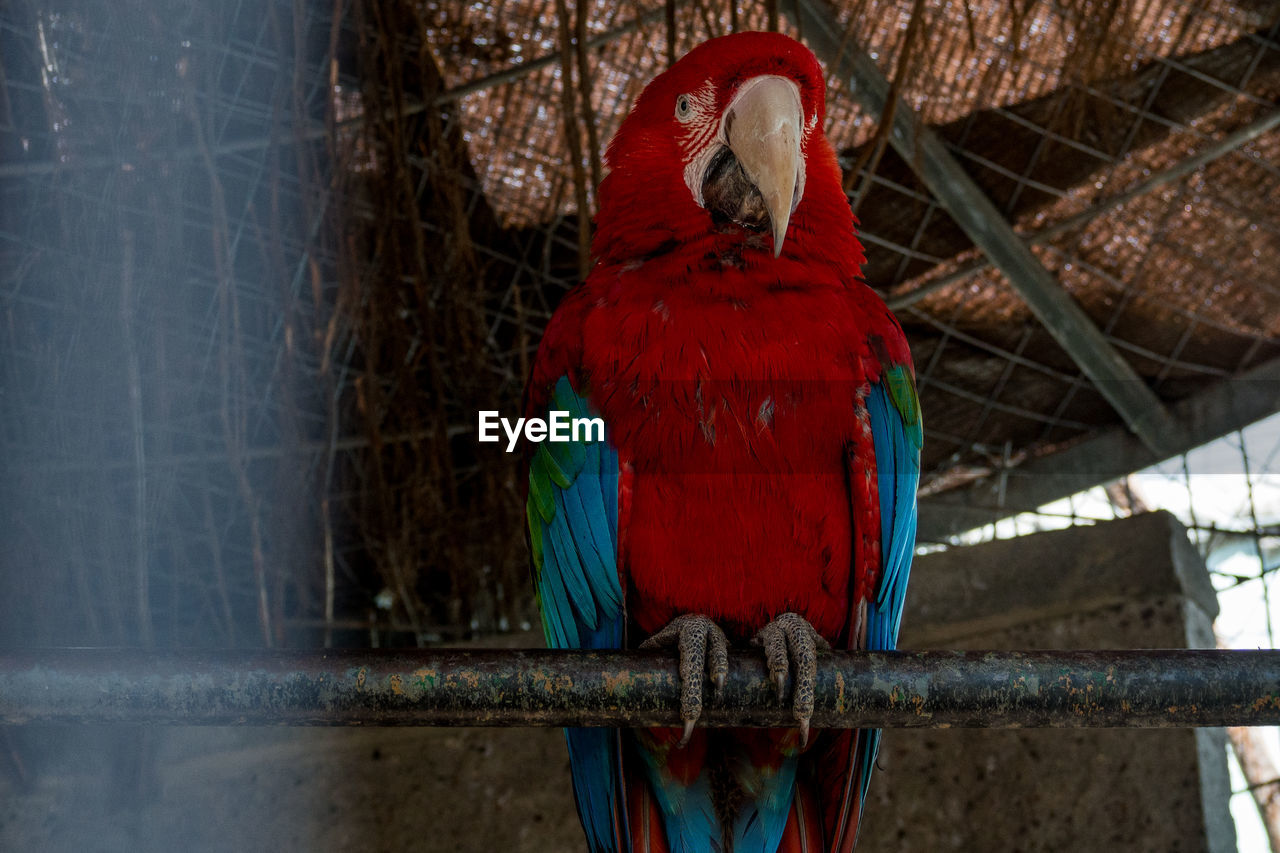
[[573, 511], [557, 619], [897, 476], [597, 546], [896, 435], [574, 565]]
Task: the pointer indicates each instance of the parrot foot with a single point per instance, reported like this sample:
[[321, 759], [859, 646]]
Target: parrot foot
[[703, 647], [791, 640]]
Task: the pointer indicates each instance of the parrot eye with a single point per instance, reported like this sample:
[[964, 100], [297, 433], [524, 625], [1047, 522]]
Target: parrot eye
[[684, 108]]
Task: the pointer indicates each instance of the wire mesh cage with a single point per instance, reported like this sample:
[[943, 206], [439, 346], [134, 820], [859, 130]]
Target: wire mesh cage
[[262, 262]]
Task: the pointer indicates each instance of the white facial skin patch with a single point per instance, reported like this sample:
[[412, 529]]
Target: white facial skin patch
[[706, 132]]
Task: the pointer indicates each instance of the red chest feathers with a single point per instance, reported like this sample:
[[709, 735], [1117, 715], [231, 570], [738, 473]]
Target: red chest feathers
[[732, 418]]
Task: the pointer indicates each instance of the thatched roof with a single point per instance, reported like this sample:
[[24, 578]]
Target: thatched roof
[[1053, 109]]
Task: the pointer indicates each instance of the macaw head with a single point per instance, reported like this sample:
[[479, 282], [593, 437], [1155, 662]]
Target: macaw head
[[723, 152]]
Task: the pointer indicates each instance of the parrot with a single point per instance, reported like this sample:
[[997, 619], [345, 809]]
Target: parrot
[[755, 485]]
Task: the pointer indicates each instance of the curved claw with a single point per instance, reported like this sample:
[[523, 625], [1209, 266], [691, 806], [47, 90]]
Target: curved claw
[[703, 648], [787, 640]]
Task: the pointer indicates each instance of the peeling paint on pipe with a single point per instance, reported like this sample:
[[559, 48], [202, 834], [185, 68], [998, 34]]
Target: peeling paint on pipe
[[550, 688]]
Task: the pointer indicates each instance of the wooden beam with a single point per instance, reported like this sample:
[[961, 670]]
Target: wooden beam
[[966, 203]]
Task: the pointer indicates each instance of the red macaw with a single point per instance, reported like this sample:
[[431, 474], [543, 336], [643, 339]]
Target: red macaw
[[757, 479]]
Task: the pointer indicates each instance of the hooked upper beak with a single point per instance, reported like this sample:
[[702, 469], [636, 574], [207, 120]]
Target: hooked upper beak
[[763, 127]]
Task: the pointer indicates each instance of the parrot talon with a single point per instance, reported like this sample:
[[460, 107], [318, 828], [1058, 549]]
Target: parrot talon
[[704, 649], [790, 641]]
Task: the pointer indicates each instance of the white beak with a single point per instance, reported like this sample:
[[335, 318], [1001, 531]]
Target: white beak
[[763, 128]]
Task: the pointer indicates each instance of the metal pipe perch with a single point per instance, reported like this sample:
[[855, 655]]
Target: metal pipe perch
[[938, 689]]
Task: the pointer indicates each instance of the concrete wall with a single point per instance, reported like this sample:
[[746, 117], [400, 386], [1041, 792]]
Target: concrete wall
[[1134, 583]]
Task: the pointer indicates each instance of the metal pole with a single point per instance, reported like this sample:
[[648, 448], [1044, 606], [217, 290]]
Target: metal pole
[[550, 688], [1223, 407], [1181, 169]]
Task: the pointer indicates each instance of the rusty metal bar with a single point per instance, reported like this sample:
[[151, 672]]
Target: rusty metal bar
[[547, 688]]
